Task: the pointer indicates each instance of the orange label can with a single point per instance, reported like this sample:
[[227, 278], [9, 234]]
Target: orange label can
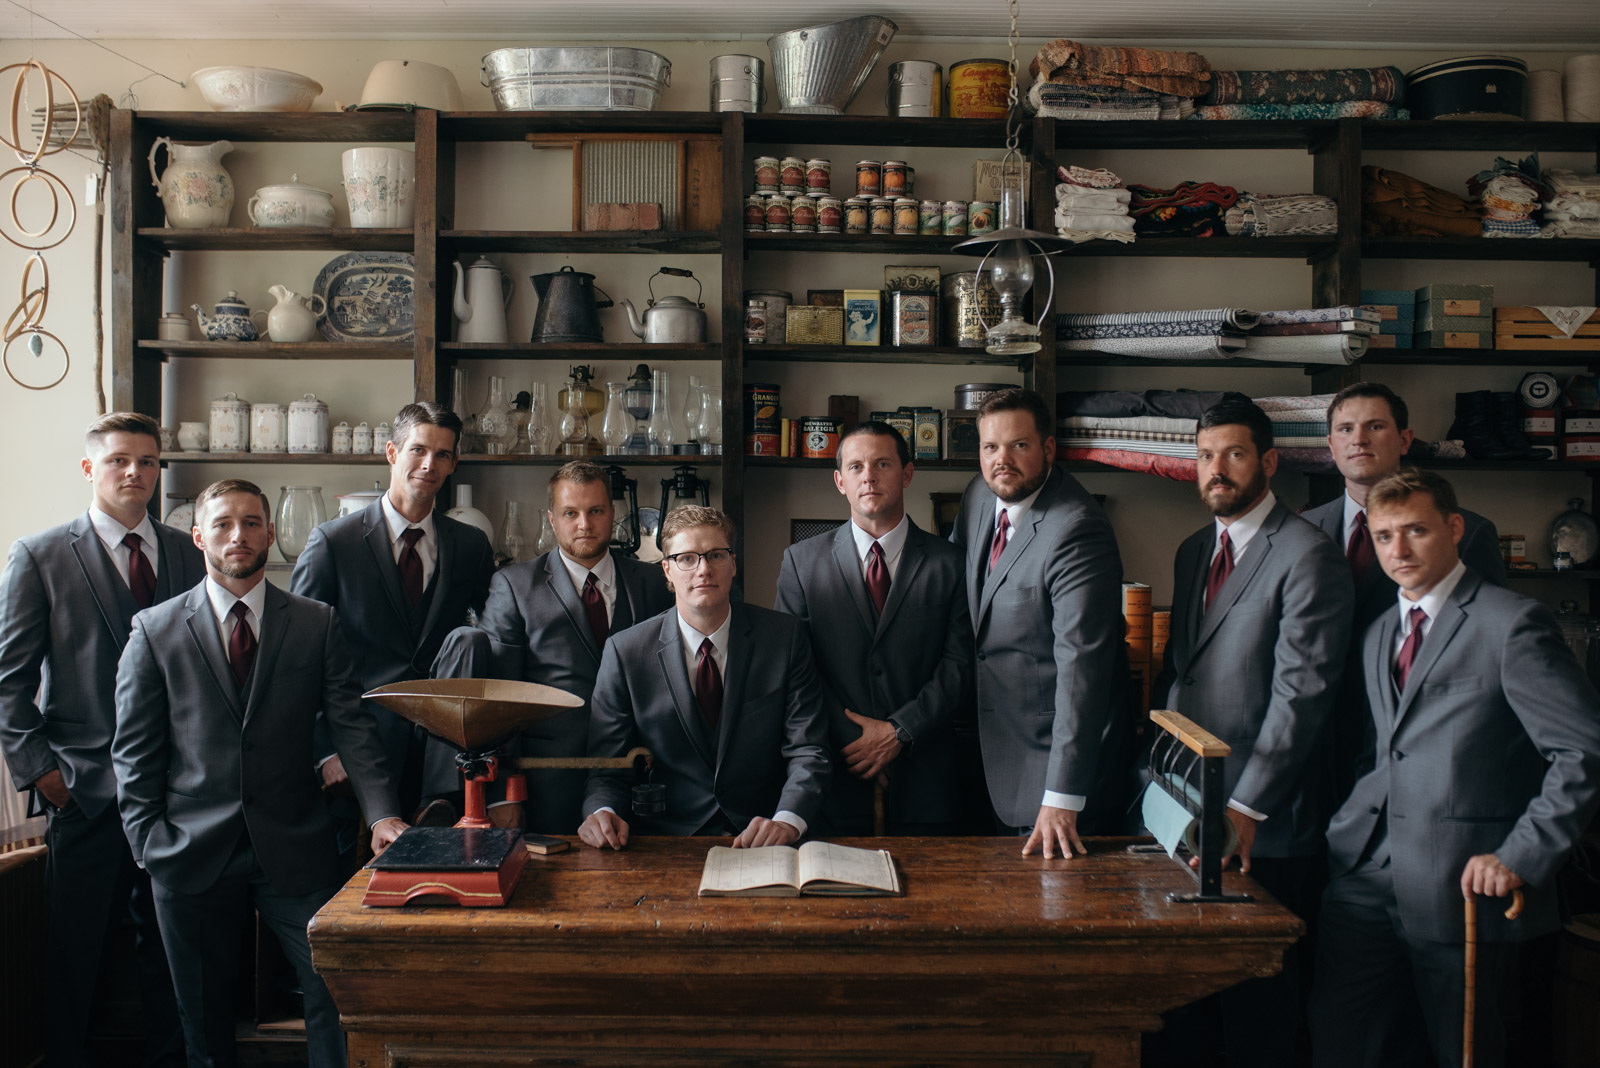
[[978, 89]]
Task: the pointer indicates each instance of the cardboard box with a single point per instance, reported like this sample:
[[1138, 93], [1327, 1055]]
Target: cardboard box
[[1432, 316], [1455, 298], [1390, 304], [960, 434], [825, 298], [1398, 326], [806, 325], [1455, 339], [904, 422], [986, 181], [863, 316], [1391, 341], [927, 431], [1580, 423]]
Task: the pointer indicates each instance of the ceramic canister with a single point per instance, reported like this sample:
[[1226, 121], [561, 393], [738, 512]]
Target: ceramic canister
[[380, 185], [380, 437], [361, 439], [193, 437], [308, 425], [230, 424], [174, 326], [341, 439], [269, 431]]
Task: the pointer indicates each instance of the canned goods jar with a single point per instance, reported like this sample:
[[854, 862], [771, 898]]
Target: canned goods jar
[[778, 217], [894, 178], [968, 304], [954, 221], [792, 175], [819, 176], [830, 215], [857, 215], [881, 219], [911, 318], [978, 89], [869, 178], [803, 215], [905, 216], [980, 218], [819, 438], [761, 408], [755, 322], [767, 174], [930, 217], [755, 212]]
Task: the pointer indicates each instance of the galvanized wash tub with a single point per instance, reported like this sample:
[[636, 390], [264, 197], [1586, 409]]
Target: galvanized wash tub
[[590, 78]]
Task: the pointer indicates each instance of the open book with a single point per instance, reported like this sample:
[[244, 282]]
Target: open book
[[784, 871]]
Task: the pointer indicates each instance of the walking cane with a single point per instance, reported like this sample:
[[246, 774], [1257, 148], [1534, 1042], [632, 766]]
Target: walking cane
[[1470, 968]]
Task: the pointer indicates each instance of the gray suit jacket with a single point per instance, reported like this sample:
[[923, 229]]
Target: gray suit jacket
[[770, 753], [1494, 747], [64, 618], [1260, 668], [913, 664], [1048, 622], [201, 761]]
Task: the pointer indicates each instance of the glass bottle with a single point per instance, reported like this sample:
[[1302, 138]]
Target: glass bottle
[[638, 402], [539, 420], [547, 534], [708, 424], [494, 422], [617, 426], [519, 422], [574, 420], [300, 510], [662, 435], [691, 412], [513, 546]]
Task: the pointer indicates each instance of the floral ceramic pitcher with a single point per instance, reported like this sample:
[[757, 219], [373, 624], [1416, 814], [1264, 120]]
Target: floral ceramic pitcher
[[195, 189]]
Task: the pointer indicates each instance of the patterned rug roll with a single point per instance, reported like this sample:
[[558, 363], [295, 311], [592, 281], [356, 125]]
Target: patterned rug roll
[[1387, 84]]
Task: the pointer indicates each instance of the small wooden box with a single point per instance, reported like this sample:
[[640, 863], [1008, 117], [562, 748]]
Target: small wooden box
[[806, 325], [1527, 328], [825, 298]]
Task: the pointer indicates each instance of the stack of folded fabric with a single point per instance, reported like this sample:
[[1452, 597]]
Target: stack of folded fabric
[[1262, 215], [1191, 209], [1151, 432], [1300, 430], [1398, 204], [1361, 92], [1574, 210], [1312, 335], [1092, 204], [1129, 70], [1508, 206], [1098, 104], [1210, 334]]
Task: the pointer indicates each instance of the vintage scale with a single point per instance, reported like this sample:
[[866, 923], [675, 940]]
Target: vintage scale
[[473, 863]]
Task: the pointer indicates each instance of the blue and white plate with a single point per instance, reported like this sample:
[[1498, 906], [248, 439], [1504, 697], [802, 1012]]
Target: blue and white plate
[[369, 297]]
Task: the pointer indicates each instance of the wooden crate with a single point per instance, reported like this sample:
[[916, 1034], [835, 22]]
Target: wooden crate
[[1527, 328], [680, 171]]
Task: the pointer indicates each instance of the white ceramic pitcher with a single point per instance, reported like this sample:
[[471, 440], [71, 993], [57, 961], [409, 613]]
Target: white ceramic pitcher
[[195, 188], [293, 318]]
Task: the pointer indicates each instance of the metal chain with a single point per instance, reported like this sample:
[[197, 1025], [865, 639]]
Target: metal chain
[[1013, 110]]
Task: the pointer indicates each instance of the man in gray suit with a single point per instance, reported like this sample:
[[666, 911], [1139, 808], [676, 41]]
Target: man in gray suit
[[66, 601], [724, 695], [217, 697], [401, 578], [1260, 618], [1368, 433], [1044, 586], [886, 607], [1486, 773], [547, 621]]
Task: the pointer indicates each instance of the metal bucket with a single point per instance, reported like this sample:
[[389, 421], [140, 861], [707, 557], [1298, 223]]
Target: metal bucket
[[736, 84], [915, 89], [820, 69], [591, 78]]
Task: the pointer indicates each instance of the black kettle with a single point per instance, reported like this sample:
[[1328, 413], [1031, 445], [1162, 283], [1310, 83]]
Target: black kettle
[[567, 307]]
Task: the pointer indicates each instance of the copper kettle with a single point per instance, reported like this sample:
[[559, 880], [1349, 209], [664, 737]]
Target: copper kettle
[[567, 307]]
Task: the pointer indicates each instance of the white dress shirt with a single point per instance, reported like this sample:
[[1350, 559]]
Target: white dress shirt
[[892, 543], [222, 602], [110, 531], [1430, 603], [605, 577], [1351, 510], [427, 545]]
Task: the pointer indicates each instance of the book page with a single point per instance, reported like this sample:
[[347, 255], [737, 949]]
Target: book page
[[846, 866], [732, 871]]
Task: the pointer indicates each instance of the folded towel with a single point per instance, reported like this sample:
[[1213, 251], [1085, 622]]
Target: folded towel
[[1074, 63], [1314, 402], [1258, 215], [1396, 203], [1342, 313], [1079, 196], [1080, 236], [1093, 178], [1075, 221], [1230, 318], [1308, 348], [1154, 424], [1189, 347]]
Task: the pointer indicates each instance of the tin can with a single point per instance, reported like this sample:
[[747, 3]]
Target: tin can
[[792, 175], [969, 395], [767, 174], [930, 217], [905, 216], [777, 301], [755, 322], [894, 178], [755, 212], [778, 217], [869, 178], [968, 304], [914, 89], [911, 179], [803, 215], [980, 218], [819, 176], [819, 438], [978, 89], [857, 216], [830, 215], [761, 412], [736, 83], [881, 218], [911, 318], [953, 222]]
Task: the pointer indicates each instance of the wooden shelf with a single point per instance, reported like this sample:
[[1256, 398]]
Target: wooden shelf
[[387, 125], [1074, 135], [514, 125], [1068, 358], [1529, 359], [1525, 466], [908, 354], [1448, 135], [557, 459], [273, 350], [1589, 573], [529, 350], [1299, 248], [810, 462], [1383, 246], [277, 239], [288, 458], [874, 130], [664, 242]]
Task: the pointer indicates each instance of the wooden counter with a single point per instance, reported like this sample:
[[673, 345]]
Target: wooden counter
[[611, 959]]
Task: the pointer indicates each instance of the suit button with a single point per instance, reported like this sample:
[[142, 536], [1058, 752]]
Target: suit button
[[877, 671], [1374, 810], [249, 747], [1397, 755], [1188, 680], [249, 799], [982, 657]]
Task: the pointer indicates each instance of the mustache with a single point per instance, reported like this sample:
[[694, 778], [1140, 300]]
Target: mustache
[[1220, 481]]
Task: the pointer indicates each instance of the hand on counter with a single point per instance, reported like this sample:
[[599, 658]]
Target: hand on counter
[[604, 828], [384, 832], [765, 832], [1055, 832]]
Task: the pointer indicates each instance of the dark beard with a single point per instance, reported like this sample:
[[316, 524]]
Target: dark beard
[[236, 571], [1244, 499], [1027, 488]]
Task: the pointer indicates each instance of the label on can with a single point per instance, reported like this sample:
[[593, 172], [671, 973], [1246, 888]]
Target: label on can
[[830, 215], [954, 218], [978, 89], [755, 213], [761, 409], [980, 218], [803, 215], [857, 216], [761, 444], [778, 214], [911, 318], [969, 305], [869, 178], [819, 438], [755, 322], [792, 175], [881, 218], [767, 174], [894, 178], [930, 217], [819, 175], [905, 216]]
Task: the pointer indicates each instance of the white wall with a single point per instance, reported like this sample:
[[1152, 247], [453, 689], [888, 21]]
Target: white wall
[[514, 187]]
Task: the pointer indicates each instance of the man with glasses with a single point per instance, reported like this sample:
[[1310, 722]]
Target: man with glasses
[[724, 695]]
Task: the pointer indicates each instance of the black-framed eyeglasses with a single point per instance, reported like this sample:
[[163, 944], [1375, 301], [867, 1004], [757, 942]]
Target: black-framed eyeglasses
[[690, 561]]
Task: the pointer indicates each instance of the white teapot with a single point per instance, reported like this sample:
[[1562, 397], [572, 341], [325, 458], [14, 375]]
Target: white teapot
[[293, 318]]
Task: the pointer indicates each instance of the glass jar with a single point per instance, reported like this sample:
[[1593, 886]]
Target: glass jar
[[708, 423], [494, 422], [513, 546], [547, 534], [693, 398], [662, 434], [638, 402], [300, 511], [574, 420], [617, 426]]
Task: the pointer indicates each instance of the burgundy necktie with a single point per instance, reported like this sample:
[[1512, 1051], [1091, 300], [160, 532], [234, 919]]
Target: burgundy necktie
[[594, 603], [998, 546], [1361, 553], [241, 644], [411, 563], [1221, 568], [708, 684], [141, 576], [877, 577], [1408, 650]]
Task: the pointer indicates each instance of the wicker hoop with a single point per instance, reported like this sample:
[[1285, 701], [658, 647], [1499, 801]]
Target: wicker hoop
[[53, 183], [66, 359], [43, 149]]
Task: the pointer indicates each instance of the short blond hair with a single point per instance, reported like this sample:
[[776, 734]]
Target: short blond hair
[[696, 515], [579, 473], [1398, 488]]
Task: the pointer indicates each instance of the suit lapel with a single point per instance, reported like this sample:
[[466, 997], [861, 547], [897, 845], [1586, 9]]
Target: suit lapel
[[1385, 668], [1243, 572], [111, 595], [274, 625], [912, 558], [560, 584], [382, 548], [1190, 588], [629, 607], [202, 624], [669, 653], [733, 680], [1021, 537], [442, 574], [1435, 639], [849, 565], [166, 583]]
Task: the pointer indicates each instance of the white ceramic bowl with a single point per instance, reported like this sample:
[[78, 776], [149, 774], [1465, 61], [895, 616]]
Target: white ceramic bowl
[[255, 89]]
